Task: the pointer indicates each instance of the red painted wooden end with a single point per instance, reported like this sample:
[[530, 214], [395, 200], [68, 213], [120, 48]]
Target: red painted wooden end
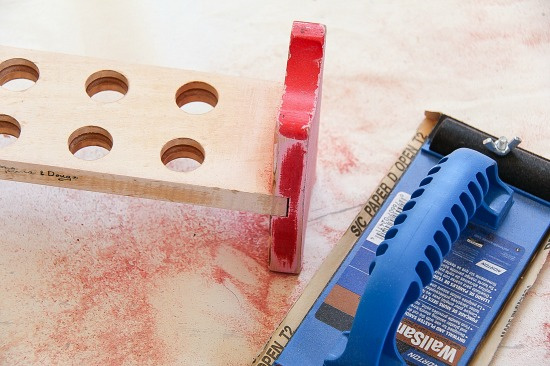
[[296, 137]]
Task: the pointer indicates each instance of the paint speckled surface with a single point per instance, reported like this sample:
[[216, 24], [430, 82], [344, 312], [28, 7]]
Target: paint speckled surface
[[116, 280], [96, 279]]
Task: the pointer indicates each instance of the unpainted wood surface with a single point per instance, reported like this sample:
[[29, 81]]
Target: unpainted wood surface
[[237, 136]]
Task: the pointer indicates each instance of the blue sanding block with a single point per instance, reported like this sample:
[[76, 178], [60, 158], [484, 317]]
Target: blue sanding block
[[427, 277]]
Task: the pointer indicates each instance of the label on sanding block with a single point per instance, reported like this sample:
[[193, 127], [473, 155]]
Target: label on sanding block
[[460, 296], [438, 328], [377, 234]]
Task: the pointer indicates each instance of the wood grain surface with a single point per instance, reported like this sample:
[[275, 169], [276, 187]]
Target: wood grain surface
[[233, 143]]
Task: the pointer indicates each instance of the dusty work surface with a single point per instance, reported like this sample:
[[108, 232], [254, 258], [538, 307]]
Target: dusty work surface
[[96, 279]]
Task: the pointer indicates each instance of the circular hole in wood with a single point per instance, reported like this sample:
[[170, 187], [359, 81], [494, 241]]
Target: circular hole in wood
[[18, 74], [182, 155], [10, 130], [90, 143], [106, 86], [196, 97]]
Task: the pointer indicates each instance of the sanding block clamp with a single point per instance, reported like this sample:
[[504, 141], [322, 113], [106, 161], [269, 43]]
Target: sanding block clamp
[[464, 185], [501, 146]]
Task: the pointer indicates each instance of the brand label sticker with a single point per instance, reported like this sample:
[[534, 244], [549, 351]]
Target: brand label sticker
[[377, 234], [491, 267]]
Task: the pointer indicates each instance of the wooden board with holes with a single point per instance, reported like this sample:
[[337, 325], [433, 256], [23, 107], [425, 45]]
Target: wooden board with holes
[[143, 131], [247, 154]]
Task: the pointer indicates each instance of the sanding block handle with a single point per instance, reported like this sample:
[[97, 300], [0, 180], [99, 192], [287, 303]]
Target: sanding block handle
[[463, 184]]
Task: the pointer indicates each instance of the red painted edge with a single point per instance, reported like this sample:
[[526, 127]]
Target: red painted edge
[[303, 80], [297, 134]]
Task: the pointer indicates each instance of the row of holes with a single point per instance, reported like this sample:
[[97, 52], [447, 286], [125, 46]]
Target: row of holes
[[107, 86], [93, 142]]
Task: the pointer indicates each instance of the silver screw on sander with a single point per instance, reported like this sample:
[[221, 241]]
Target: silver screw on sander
[[501, 146]]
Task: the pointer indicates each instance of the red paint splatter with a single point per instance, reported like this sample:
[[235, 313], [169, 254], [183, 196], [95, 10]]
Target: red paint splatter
[[331, 234], [537, 39], [340, 156], [98, 288], [346, 160], [546, 329], [489, 35], [219, 275], [269, 310]]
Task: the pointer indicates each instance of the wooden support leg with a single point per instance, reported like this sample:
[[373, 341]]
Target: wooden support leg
[[296, 138]]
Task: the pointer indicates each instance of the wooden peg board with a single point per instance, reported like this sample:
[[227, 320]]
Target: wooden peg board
[[249, 154], [236, 137]]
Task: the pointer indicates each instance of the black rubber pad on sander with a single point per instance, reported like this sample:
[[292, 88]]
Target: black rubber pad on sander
[[519, 168]]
